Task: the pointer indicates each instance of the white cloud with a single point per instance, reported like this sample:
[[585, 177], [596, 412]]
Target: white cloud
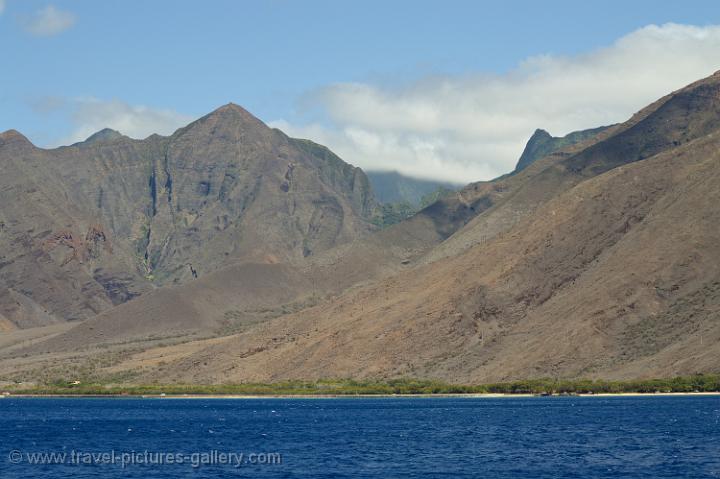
[[91, 115], [475, 127], [2, 6], [49, 21]]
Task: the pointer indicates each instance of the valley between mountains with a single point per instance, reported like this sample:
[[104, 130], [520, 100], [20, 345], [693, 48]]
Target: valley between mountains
[[229, 252]]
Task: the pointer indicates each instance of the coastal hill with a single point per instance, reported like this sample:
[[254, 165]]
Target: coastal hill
[[597, 259], [615, 276]]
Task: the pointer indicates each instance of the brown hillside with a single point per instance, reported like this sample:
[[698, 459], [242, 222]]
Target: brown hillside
[[599, 259], [615, 278], [93, 225]]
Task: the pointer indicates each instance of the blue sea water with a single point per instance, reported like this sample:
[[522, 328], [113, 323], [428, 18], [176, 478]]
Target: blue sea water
[[600, 437]]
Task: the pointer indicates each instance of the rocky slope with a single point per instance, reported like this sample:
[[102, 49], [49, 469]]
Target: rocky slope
[[87, 227], [612, 275], [598, 259], [614, 278]]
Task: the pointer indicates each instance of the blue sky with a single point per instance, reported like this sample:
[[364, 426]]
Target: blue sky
[[309, 67]]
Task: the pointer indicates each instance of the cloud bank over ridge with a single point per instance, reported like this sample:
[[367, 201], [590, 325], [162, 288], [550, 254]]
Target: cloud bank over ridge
[[474, 127]]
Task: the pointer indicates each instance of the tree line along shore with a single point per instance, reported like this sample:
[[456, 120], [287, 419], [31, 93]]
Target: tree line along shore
[[701, 383]]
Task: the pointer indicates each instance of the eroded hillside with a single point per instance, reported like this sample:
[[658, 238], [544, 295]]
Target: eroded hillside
[[90, 226]]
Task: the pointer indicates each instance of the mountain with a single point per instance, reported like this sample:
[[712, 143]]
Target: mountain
[[541, 144], [392, 187], [614, 276], [597, 259], [87, 227]]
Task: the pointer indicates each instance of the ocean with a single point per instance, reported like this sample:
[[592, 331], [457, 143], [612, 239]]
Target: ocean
[[555, 437]]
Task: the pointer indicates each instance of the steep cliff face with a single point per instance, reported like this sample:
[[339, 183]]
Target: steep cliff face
[[95, 224], [227, 187]]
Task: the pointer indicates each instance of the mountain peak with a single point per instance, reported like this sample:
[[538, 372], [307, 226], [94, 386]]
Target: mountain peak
[[542, 143], [229, 121], [233, 111], [230, 106], [13, 137], [540, 133], [105, 134], [535, 148]]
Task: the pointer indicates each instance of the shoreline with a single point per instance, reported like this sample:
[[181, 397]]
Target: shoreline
[[397, 388], [348, 396]]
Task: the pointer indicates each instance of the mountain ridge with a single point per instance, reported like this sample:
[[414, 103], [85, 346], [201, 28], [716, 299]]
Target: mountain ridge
[[595, 260]]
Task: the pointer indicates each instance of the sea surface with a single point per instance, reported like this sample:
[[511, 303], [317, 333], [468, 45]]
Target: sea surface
[[567, 437]]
